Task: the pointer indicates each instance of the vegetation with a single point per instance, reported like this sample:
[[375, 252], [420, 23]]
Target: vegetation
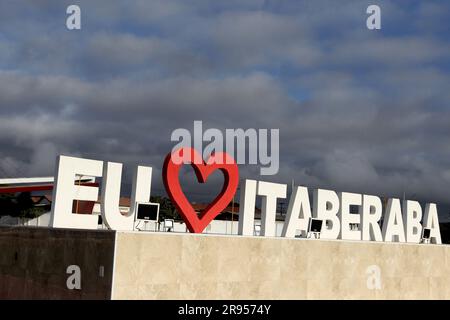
[[19, 205], [166, 208]]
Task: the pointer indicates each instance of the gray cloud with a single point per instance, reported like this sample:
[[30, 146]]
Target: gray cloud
[[357, 110]]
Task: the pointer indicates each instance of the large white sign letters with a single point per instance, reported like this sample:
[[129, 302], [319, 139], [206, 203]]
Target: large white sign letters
[[65, 192], [400, 222]]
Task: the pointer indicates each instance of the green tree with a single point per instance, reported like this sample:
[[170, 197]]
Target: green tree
[[166, 208], [26, 206], [19, 206]]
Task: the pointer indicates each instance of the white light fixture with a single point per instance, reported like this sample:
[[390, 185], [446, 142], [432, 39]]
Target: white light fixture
[[257, 229], [147, 211], [168, 225], [426, 235], [314, 228]]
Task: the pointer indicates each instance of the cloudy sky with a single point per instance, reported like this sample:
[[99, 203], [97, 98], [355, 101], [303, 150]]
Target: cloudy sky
[[358, 110]]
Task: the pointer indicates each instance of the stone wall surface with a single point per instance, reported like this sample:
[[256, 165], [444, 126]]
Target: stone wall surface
[[186, 266], [34, 261], [150, 265]]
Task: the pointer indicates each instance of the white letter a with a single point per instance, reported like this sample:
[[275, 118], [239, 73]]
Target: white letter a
[[374, 20], [74, 20], [74, 280]]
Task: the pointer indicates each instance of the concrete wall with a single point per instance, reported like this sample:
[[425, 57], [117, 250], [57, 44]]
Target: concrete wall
[[149, 265], [186, 266], [33, 263]]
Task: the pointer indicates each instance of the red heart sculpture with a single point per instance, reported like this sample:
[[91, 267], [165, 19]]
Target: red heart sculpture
[[217, 161]]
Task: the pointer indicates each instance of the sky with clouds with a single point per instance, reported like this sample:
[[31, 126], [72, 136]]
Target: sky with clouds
[[358, 110]]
